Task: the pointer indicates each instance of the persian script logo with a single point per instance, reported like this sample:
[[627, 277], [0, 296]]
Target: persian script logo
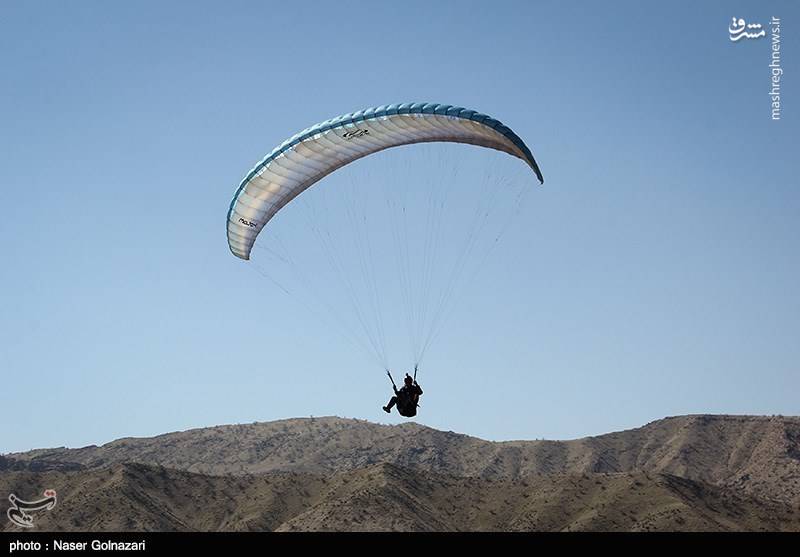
[[738, 29], [18, 513], [355, 133]]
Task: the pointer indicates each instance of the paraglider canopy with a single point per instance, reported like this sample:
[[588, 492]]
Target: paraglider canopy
[[315, 152]]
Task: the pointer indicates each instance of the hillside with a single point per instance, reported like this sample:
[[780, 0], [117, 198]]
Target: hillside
[[752, 455], [388, 498]]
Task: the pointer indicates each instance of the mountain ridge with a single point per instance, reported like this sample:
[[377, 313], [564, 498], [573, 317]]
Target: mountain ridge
[[755, 455], [386, 497]]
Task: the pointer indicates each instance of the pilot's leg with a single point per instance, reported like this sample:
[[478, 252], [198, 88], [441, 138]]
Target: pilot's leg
[[392, 402]]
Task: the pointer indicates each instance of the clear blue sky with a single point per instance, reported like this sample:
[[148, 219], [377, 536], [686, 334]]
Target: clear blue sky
[[656, 273]]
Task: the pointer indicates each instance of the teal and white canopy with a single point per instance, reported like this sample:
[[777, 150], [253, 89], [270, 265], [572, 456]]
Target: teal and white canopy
[[307, 157]]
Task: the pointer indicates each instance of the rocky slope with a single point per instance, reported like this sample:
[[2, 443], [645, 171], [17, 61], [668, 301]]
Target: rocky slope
[[386, 497], [752, 455]]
